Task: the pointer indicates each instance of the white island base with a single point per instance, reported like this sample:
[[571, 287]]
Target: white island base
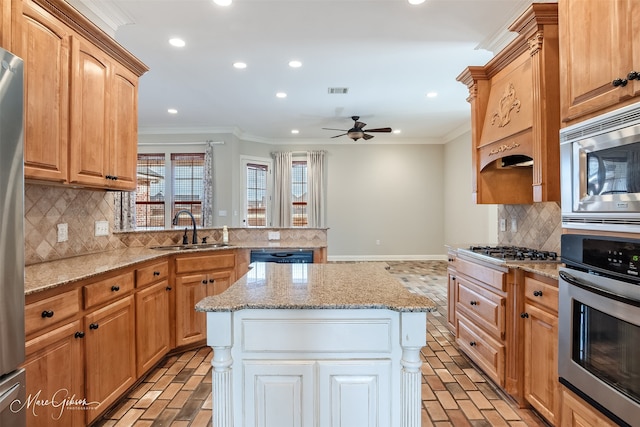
[[316, 367]]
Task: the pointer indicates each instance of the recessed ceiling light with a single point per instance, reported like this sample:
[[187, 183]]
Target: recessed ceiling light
[[416, 1], [177, 42], [295, 64], [281, 95], [172, 111], [240, 65], [396, 131], [295, 131], [222, 2], [432, 94]]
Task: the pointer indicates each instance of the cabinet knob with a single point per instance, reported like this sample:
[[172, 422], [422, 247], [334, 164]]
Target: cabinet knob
[[156, 273], [168, 288], [537, 293], [204, 282], [472, 343], [115, 288], [634, 75], [619, 82], [524, 315], [47, 313], [212, 280], [93, 326], [473, 302], [78, 335], [453, 277]]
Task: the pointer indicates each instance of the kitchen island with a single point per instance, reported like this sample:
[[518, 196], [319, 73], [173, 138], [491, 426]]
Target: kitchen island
[[316, 345]]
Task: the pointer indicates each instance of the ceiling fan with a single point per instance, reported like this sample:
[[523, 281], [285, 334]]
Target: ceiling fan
[[357, 131]]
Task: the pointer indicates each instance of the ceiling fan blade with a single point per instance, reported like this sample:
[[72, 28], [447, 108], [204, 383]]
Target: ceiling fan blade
[[366, 137], [379, 130], [343, 130], [359, 125], [342, 134]]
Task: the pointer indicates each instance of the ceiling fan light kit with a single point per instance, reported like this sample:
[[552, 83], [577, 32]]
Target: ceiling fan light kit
[[358, 131]]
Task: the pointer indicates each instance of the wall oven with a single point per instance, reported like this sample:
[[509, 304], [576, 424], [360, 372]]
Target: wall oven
[[600, 172], [599, 323]]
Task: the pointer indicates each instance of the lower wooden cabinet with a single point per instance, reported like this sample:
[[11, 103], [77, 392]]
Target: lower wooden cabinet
[[153, 325], [110, 353], [55, 370], [577, 413]]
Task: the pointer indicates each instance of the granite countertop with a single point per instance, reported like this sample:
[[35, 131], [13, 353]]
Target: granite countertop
[[317, 286], [47, 275]]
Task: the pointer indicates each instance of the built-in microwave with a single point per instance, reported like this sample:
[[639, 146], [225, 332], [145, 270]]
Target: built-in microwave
[[600, 172]]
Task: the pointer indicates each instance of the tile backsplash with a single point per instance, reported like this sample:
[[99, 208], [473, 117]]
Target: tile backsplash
[[539, 226]]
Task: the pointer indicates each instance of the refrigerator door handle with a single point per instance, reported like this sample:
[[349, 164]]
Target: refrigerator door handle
[[9, 396]]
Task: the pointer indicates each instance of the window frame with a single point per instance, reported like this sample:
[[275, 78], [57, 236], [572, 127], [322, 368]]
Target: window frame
[[244, 162]]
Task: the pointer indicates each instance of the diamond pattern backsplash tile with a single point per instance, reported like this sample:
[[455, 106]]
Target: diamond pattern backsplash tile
[[539, 226], [46, 207]]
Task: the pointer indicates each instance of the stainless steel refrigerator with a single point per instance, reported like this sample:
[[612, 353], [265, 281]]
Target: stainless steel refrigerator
[[12, 389]]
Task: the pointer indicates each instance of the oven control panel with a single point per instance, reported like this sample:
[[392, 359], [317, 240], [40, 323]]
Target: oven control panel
[[618, 256]]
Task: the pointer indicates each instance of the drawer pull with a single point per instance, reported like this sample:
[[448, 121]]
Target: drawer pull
[[472, 343], [204, 282], [168, 288], [93, 326], [212, 280], [47, 314], [156, 273], [524, 315], [473, 302], [537, 293], [115, 288], [79, 335]]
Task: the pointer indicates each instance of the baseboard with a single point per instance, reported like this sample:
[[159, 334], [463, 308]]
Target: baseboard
[[361, 258]]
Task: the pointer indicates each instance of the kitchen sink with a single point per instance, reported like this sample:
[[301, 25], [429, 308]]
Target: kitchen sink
[[191, 247]]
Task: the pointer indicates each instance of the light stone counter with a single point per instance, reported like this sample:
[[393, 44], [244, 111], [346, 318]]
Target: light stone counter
[[322, 286]]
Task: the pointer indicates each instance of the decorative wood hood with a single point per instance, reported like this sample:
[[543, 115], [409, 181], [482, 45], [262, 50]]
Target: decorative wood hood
[[515, 114]]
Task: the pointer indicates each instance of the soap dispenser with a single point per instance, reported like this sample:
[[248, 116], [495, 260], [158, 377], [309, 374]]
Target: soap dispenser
[[225, 234]]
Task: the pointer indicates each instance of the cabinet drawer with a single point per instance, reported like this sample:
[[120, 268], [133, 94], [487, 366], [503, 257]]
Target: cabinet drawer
[[482, 306], [41, 314], [541, 293], [108, 289], [487, 275], [151, 274], [193, 263], [486, 352]]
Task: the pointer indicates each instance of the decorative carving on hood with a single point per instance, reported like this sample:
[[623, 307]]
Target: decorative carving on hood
[[507, 103]]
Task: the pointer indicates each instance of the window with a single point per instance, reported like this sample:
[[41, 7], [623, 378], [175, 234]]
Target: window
[[299, 194], [159, 199], [256, 202]]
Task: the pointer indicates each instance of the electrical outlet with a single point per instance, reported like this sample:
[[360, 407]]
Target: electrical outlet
[[63, 232], [274, 235], [102, 228], [514, 224], [503, 224]]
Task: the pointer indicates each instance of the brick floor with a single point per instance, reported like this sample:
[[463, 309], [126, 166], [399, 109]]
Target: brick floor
[[454, 392]]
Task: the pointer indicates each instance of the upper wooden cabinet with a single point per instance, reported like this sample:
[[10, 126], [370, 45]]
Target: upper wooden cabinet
[[81, 98], [515, 114], [600, 47]]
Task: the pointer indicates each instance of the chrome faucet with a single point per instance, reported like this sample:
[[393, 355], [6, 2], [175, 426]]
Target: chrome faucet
[[194, 240]]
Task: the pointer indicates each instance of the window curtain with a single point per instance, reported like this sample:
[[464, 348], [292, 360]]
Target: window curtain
[[281, 207], [315, 189], [207, 187], [124, 206]]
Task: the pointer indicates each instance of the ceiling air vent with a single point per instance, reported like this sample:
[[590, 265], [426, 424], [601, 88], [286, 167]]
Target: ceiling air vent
[[338, 90]]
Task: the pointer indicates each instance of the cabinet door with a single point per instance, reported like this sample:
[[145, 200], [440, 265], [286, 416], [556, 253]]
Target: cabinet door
[[153, 339], [190, 324], [90, 109], [541, 386], [451, 299], [110, 350], [43, 43], [55, 371], [124, 141], [596, 48], [577, 413]]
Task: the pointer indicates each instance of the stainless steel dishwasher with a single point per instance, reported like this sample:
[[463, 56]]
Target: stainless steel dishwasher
[[283, 256]]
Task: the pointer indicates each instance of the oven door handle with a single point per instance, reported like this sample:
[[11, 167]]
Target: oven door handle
[[596, 289]]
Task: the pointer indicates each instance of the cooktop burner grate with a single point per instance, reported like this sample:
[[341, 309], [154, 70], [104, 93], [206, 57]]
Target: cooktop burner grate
[[514, 253]]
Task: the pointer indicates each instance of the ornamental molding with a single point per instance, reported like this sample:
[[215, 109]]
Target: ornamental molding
[[507, 103], [504, 147]]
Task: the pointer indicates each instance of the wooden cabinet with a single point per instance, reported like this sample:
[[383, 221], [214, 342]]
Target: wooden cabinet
[[153, 315], [540, 317], [54, 368], [198, 276], [81, 98], [515, 114], [110, 353], [599, 44], [577, 413], [451, 291]]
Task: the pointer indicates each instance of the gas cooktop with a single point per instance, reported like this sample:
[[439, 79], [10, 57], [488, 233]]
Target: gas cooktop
[[513, 254]]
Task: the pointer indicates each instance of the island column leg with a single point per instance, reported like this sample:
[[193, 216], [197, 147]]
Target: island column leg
[[220, 338], [413, 329]]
